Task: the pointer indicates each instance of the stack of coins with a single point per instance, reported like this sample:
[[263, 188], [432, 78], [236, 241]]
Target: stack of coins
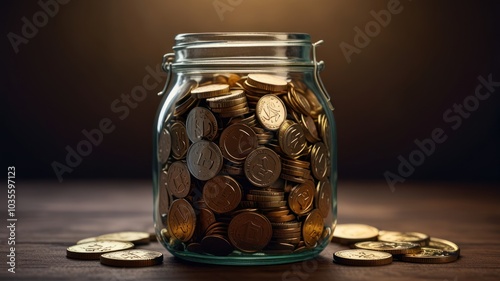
[[245, 167], [374, 247]]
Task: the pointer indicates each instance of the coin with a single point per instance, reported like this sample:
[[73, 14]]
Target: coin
[[237, 141], [352, 233], [362, 257], [205, 219], [271, 112], [204, 160], [267, 82], [216, 245], [262, 167], [222, 194], [132, 258], [444, 245], [138, 238], [395, 248], [396, 236], [164, 146], [320, 161], [301, 198], [209, 91], [201, 124], [178, 179], [86, 240], [180, 140], [292, 139], [181, 220], [93, 250], [163, 195], [250, 232], [430, 255], [323, 197], [312, 228]]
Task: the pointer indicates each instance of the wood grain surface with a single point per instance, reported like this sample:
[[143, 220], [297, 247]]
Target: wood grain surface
[[53, 216]]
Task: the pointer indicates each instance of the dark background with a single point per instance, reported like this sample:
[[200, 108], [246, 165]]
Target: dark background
[[394, 91]]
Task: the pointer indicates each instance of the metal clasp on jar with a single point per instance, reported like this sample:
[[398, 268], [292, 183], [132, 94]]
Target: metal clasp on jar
[[319, 66], [166, 65]]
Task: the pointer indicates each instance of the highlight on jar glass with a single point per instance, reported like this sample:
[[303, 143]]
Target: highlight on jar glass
[[244, 150]]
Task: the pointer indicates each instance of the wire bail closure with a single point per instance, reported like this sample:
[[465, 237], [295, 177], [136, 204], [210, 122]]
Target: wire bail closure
[[319, 66], [166, 65]]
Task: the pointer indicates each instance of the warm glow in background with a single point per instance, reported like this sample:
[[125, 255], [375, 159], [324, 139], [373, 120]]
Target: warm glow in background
[[394, 91]]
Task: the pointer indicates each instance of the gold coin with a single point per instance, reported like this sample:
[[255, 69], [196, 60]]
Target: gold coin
[[132, 258], [444, 245], [430, 255], [204, 160], [210, 91], [178, 179], [320, 161], [323, 197], [301, 198], [93, 250], [164, 146], [362, 257], [138, 238], [237, 141], [262, 167], [250, 232], [222, 194], [201, 124], [271, 112], [291, 138], [352, 233], [396, 236], [180, 140], [268, 82], [395, 248], [181, 220], [312, 228]]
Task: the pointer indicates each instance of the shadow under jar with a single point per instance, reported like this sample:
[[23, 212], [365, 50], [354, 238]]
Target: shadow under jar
[[244, 150]]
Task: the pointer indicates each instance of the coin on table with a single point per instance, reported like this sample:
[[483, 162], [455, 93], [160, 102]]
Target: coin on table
[[132, 258], [268, 82], [136, 237], [312, 228], [210, 91], [271, 112], [250, 232], [395, 248], [362, 257], [181, 220], [86, 240], [93, 250], [262, 167], [204, 160], [396, 236], [352, 233], [430, 255], [444, 245]]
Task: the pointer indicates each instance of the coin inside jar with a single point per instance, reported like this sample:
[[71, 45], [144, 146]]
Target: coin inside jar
[[237, 141], [178, 179], [181, 220], [204, 160], [222, 194], [262, 167], [271, 112], [250, 232]]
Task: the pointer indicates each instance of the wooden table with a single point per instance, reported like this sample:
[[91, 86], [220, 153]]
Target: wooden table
[[53, 216]]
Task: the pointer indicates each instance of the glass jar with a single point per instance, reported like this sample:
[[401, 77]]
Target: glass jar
[[244, 150]]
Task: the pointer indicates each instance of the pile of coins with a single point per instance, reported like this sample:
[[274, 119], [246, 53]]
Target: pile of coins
[[374, 247], [245, 167], [116, 249]]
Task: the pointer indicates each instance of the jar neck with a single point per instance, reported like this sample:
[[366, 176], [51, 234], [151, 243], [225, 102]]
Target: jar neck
[[242, 49]]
